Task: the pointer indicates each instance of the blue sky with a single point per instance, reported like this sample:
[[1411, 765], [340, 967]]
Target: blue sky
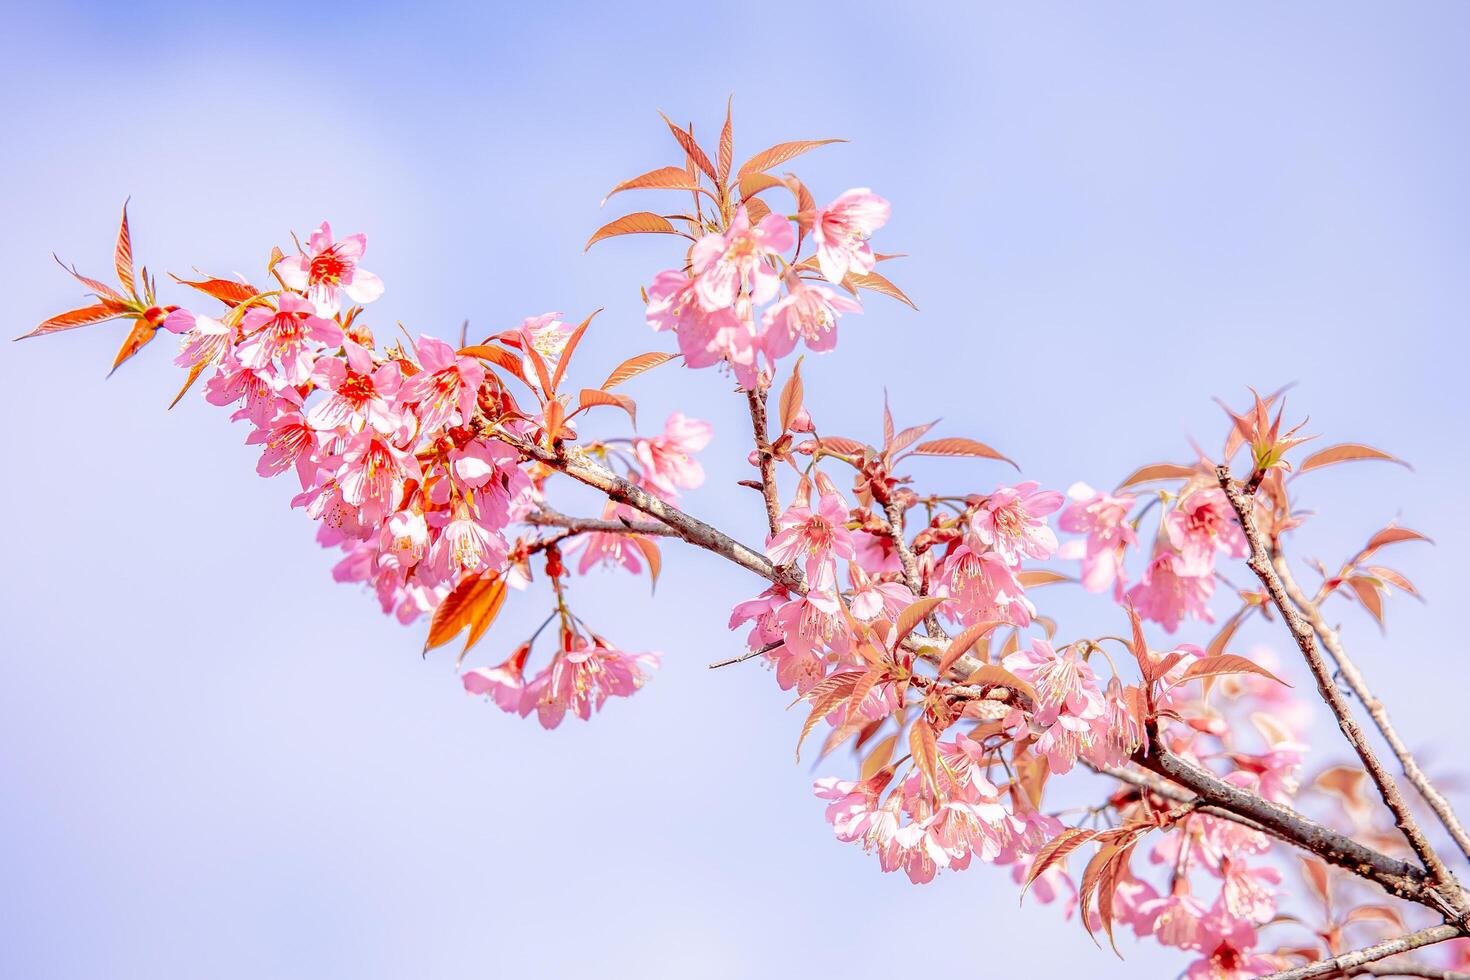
[[219, 763]]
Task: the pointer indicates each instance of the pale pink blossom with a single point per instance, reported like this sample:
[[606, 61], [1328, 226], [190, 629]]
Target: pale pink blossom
[[668, 459], [445, 389], [818, 536], [328, 266], [503, 683], [582, 678], [806, 312], [1011, 522], [841, 231], [289, 336], [1203, 522], [1104, 519], [984, 588], [1169, 591], [739, 259]]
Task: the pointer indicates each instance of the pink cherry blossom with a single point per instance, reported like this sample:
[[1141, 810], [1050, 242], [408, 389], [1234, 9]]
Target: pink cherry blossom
[[807, 312], [740, 259], [1203, 522], [668, 459], [357, 393], [1103, 517], [818, 536], [841, 231], [329, 266], [445, 389], [1011, 523], [288, 336], [1169, 591]]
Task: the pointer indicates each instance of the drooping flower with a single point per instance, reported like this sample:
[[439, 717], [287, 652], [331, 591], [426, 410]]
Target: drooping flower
[[1169, 590], [807, 312], [841, 231], [1104, 519], [984, 588], [1203, 522], [581, 679], [504, 683], [668, 459], [328, 267]]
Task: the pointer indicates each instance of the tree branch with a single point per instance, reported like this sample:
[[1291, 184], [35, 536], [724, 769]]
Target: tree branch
[[1260, 563], [1408, 969], [1343, 965], [1396, 877], [764, 456], [546, 517], [1376, 710]]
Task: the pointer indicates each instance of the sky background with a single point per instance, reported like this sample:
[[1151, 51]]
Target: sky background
[[216, 762]]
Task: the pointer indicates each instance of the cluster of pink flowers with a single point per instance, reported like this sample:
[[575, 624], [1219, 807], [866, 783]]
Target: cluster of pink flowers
[[715, 310], [1179, 579], [906, 622]]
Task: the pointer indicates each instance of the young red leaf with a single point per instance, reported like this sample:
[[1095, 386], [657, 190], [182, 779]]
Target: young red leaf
[[650, 554], [779, 154], [925, 751], [664, 178], [726, 153], [1367, 592], [1226, 663], [569, 347], [123, 256], [686, 140], [825, 698], [912, 616], [136, 340], [1343, 453], [994, 675], [71, 319], [474, 598], [635, 366], [227, 291], [596, 396], [957, 446], [962, 644], [1391, 535], [1157, 471], [501, 358], [1056, 850], [637, 223], [878, 284], [1033, 577], [791, 397], [878, 757]]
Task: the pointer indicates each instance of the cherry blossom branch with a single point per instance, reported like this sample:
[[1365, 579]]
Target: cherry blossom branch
[[579, 466], [764, 456], [1259, 562], [1376, 710], [546, 517], [1343, 965], [1394, 876], [1421, 970]]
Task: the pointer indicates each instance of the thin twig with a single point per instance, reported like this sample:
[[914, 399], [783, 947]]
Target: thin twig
[[1343, 965], [1259, 562], [1376, 710], [1408, 969], [546, 517], [746, 655]]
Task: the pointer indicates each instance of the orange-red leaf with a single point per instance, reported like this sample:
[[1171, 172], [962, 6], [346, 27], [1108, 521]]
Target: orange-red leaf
[[1343, 453], [1033, 577], [825, 698], [878, 284], [664, 178], [791, 397], [635, 366], [596, 396], [1391, 535], [501, 358], [650, 554], [925, 750], [123, 254], [1157, 471], [1367, 592], [1056, 850], [71, 319], [686, 140], [779, 154], [958, 446], [569, 347], [993, 675], [473, 604], [879, 756], [1225, 663], [753, 184], [914, 614], [962, 644], [637, 223], [227, 291], [136, 340], [727, 145]]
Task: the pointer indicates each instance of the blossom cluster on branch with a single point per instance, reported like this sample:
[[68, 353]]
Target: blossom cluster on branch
[[906, 622]]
